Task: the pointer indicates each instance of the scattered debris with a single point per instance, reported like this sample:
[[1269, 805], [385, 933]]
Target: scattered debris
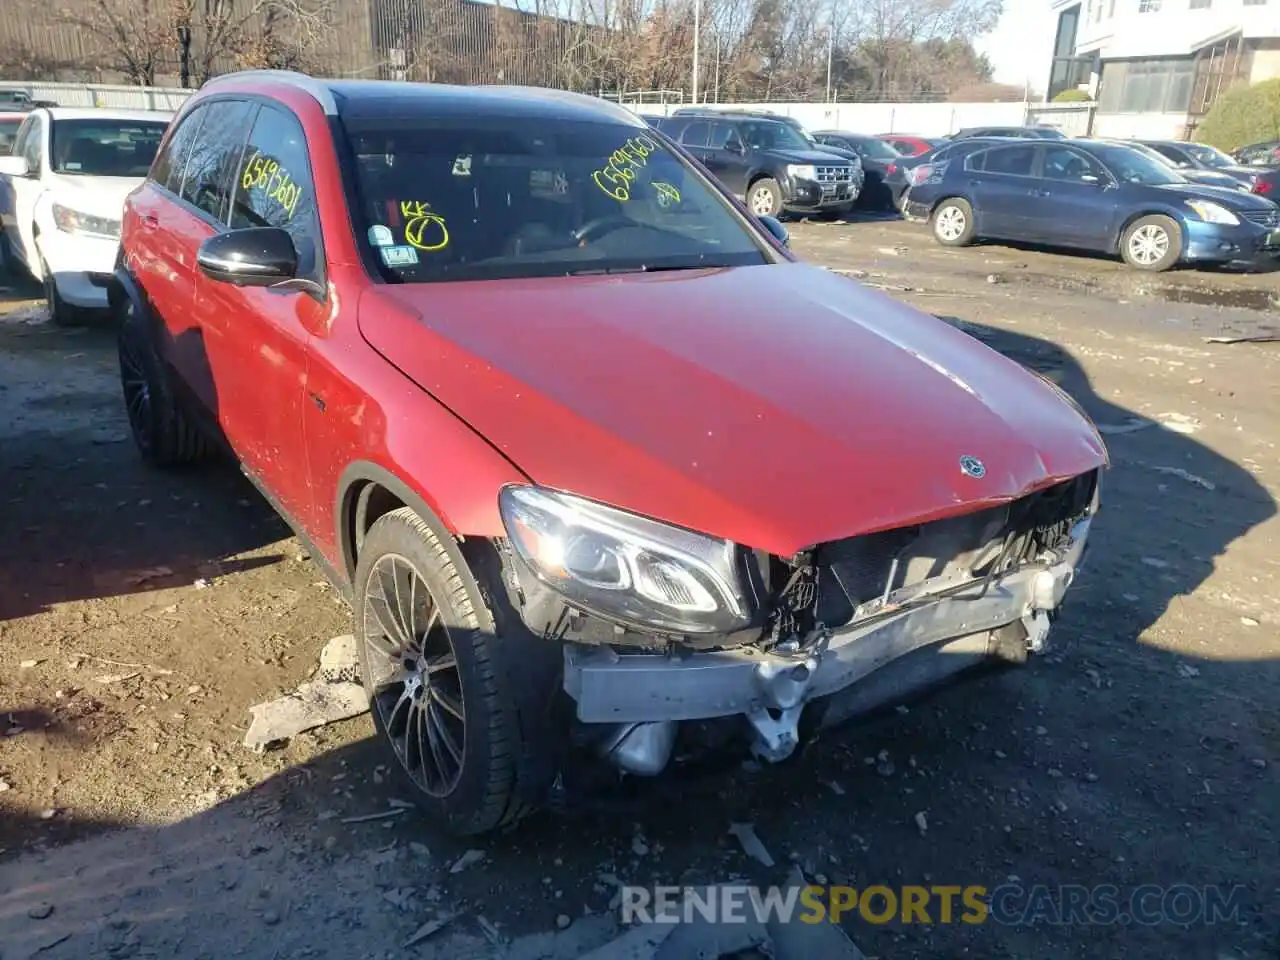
[[1189, 477], [152, 573], [1179, 423], [468, 859], [1256, 338], [835, 788], [29, 664], [369, 817], [107, 678], [563, 921], [41, 911], [313, 704], [922, 823], [202, 584], [490, 932], [884, 765], [1155, 563], [1249, 621], [78, 658], [1259, 763], [1187, 671], [751, 845], [48, 814], [426, 930]]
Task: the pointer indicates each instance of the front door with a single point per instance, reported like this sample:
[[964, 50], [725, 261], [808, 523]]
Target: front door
[[257, 337], [31, 144], [1073, 201], [727, 157]]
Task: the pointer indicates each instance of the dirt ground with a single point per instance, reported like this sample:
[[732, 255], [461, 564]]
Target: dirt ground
[[142, 614]]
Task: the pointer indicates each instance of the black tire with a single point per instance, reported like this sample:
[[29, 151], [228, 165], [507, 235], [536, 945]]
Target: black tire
[[764, 197], [1152, 243], [952, 223], [162, 430], [61, 313], [485, 792]]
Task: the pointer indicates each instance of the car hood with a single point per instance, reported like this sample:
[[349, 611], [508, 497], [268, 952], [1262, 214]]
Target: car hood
[[98, 196], [843, 152], [1230, 197], [821, 158], [1213, 178], [776, 406]]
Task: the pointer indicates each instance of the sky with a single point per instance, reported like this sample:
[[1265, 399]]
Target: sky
[[1021, 45]]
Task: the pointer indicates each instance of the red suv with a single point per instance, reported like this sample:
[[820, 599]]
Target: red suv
[[607, 475]]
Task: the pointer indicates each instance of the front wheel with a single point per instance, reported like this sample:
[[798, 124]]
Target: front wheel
[[953, 223], [764, 198], [61, 313], [442, 703], [1152, 244]]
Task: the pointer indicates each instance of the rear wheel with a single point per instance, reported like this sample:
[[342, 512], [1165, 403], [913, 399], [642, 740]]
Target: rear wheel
[[1153, 243], [953, 223], [161, 430], [442, 702], [764, 198]]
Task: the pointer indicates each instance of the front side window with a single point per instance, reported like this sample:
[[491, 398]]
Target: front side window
[[1131, 166], [215, 157], [29, 142], [1061, 163], [772, 135], [471, 199], [104, 148], [274, 188]]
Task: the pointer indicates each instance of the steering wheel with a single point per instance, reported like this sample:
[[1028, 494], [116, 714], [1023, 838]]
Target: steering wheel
[[592, 230]]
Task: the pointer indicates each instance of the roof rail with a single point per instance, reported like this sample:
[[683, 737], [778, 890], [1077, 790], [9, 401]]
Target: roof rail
[[317, 90]]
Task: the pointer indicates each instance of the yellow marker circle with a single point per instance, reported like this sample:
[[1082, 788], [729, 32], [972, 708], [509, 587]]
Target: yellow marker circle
[[417, 227]]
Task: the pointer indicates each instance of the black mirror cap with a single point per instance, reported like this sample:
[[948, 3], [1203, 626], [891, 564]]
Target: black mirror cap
[[775, 227], [249, 257]]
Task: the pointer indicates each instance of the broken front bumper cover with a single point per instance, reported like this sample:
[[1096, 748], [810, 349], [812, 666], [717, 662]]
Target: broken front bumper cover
[[770, 690]]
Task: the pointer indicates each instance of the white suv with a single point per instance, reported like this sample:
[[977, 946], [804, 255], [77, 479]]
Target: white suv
[[62, 192]]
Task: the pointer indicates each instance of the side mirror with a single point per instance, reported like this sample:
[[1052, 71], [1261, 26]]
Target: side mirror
[[14, 167], [1092, 179], [1184, 163], [775, 227], [251, 257], [733, 146]]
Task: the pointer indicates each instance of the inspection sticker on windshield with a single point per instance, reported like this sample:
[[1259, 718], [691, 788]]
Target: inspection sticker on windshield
[[399, 256], [380, 236]]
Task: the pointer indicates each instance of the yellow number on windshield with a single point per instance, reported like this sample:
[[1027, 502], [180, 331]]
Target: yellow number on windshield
[[617, 175]]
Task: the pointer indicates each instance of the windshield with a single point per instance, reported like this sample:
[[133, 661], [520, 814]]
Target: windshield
[[1209, 156], [105, 148], [8, 133], [876, 149], [468, 199], [772, 135], [1132, 166]]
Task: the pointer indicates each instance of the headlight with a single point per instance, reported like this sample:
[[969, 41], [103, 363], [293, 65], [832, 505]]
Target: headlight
[[73, 221], [802, 171], [1213, 212], [624, 567]]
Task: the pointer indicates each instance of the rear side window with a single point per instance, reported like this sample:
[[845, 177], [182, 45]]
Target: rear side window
[[172, 160], [274, 187], [1177, 156], [1012, 161], [215, 157], [696, 134]]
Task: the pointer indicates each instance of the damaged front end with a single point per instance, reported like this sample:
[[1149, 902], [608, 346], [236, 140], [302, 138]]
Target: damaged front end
[[666, 632]]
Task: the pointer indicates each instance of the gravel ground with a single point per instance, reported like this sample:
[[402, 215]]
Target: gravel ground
[[142, 614]]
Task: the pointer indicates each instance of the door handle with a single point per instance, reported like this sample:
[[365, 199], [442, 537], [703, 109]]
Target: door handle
[[1038, 192]]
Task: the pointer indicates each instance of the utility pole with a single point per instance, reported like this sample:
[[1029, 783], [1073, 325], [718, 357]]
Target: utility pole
[[697, 29], [831, 46]]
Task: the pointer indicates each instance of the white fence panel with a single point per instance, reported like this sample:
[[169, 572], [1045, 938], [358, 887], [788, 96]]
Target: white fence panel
[[119, 96], [922, 119]]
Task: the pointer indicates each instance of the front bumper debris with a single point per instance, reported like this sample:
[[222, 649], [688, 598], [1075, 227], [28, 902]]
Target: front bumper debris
[[648, 694]]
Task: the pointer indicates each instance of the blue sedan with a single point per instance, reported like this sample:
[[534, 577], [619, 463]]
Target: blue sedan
[[1091, 195]]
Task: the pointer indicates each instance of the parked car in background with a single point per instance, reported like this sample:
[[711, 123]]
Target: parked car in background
[[66, 179], [767, 163], [652, 119], [1092, 195], [718, 111], [911, 146], [1259, 154], [1204, 158], [1035, 133], [885, 181], [10, 121], [559, 564], [1193, 174]]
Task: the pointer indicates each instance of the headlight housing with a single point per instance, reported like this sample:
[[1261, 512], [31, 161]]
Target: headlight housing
[[1211, 212], [624, 567], [73, 221], [802, 171]]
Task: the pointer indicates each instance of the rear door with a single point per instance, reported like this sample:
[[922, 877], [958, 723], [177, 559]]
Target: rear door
[[727, 157], [257, 338], [1073, 201], [694, 138], [1001, 185]]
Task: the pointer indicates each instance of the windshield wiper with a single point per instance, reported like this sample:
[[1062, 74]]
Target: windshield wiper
[[601, 271]]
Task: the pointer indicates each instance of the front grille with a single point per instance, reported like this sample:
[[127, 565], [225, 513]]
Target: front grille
[[861, 570], [1264, 218], [843, 174]]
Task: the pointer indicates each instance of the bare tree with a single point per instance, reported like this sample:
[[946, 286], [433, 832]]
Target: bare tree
[[131, 37]]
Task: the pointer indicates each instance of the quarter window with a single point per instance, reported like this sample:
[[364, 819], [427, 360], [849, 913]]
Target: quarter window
[[274, 187], [215, 157], [168, 169]]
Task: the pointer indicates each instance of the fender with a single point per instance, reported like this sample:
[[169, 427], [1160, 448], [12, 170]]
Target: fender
[[1148, 210]]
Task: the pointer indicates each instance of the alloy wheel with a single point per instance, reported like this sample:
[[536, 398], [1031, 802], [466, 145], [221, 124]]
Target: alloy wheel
[[1149, 244], [762, 203], [137, 392], [951, 223], [415, 683]]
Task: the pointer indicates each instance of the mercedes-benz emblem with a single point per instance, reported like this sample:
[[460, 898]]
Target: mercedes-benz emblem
[[973, 467]]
